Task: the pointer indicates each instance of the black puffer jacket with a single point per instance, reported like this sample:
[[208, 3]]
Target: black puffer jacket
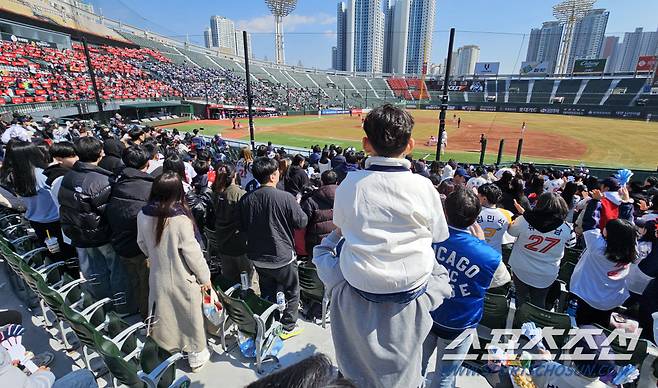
[[129, 194], [319, 209], [112, 162], [199, 198], [83, 199]]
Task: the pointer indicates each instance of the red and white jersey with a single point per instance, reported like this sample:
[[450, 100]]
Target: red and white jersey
[[494, 223]]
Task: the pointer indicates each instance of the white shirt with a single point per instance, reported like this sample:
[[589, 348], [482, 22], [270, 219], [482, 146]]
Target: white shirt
[[447, 172], [536, 256], [243, 170], [597, 280], [16, 131], [476, 182], [389, 221], [494, 223]]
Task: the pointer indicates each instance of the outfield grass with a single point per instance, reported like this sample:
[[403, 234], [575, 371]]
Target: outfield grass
[[548, 138]]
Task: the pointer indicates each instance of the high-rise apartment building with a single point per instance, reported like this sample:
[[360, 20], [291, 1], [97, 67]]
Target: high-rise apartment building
[[589, 34], [467, 56], [239, 44], [207, 37], [544, 43], [635, 44], [609, 52], [365, 36], [341, 38], [419, 37], [222, 31]]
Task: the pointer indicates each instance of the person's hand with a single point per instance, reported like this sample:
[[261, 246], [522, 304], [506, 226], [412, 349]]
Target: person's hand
[[43, 369], [518, 207], [624, 194], [206, 287], [338, 232], [585, 194], [643, 205], [476, 230], [597, 194]]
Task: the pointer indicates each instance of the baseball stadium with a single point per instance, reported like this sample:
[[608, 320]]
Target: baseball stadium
[[115, 276]]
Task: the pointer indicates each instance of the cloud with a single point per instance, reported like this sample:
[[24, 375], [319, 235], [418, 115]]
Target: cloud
[[290, 23]]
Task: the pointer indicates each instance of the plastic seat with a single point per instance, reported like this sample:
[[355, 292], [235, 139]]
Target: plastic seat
[[543, 318], [253, 317], [124, 369], [572, 255], [158, 367], [634, 349], [312, 288], [566, 270], [496, 310]]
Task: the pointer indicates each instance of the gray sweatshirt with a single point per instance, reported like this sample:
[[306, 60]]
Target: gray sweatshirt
[[378, 344], [11, 376]]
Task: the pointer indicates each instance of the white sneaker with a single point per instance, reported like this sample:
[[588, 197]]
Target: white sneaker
[[197, 360]]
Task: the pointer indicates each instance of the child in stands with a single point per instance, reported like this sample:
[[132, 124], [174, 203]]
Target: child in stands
[[384, 280]]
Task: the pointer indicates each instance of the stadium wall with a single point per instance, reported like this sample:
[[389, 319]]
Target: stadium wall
[[618, 112]]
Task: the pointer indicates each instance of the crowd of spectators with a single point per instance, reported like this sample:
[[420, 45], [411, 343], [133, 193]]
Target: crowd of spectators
[[407, 249], [32, 73]]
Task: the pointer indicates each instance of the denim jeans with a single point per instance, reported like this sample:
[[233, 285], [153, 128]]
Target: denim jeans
[[106, 274], [81, 378], [446, 370]]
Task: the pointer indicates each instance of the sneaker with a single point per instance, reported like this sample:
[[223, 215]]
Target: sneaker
[[198, 360], [285, 334]]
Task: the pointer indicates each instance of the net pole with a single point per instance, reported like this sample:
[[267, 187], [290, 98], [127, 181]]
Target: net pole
[[444, 97], [250, 112]]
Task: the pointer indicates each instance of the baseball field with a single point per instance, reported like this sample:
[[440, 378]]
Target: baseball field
[[547, 139]]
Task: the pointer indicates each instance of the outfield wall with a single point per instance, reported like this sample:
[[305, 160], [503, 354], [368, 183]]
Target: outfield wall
[[617, 112]]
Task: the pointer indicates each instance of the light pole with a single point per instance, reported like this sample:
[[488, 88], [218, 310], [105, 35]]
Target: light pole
[[280, 9]]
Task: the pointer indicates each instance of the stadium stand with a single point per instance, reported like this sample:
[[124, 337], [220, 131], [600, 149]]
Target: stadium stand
[[594, 92], [625, 91], [541, 91], [568, 89], [518, 91]]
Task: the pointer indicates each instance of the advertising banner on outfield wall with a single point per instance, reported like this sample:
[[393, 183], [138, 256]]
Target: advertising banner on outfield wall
[[535, 68], [589, 66], [487, 68], [600, 111], [646, 64]]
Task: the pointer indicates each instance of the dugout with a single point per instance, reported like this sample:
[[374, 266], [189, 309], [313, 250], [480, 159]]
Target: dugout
[[157, 112]]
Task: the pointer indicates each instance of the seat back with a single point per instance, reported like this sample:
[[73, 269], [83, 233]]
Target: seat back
[[115, 326], [153, 355], [496, 309], [543, 318], [239, 312], [635, 352], [310, 282], [125, 372], [572, 255], [566, 270], [83, 329]]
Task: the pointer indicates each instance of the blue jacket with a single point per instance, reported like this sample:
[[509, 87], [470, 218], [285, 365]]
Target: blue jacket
[[471, 264]]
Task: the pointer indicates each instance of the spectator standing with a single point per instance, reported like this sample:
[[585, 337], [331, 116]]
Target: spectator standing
[[244, 166], [461, 177], [324, 163], [113, 150], [178, 271], [542, 235], [83, 198], [296, 178], [493, 221], [27, 163], [16, 131], [599, 279], [478, 268], [385, 281], [269, 217], [129, 194], [339, 159], [319, 209], [231, 242]]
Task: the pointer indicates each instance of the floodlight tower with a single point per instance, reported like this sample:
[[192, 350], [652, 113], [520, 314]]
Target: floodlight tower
[[569, 12], [280, 9]]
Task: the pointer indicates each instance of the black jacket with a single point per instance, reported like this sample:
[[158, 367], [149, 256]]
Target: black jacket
[[269, 217], [53, 172], [83, 199], [112, 162], [319, 209], [230, 240], [296, 180], [199, 198], [129, 194]]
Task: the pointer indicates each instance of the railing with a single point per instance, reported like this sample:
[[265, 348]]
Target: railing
[[52, 105]]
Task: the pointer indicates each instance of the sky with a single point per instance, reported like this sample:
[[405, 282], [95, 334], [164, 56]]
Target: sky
[[500, 27]]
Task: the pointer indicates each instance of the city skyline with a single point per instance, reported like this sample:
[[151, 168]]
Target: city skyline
[[502, 32]]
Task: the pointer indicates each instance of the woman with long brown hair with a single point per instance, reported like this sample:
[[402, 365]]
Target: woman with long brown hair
[[178, 274]]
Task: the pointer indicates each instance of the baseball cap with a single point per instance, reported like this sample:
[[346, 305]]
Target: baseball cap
[[611, 182], [462, 172]]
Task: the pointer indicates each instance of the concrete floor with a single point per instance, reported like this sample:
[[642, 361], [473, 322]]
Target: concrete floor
[[226, 369]]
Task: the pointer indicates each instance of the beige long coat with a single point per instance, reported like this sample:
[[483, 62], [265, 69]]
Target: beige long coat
[[177, 270]]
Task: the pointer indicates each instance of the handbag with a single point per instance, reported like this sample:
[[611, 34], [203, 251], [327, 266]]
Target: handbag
[[212, 308]]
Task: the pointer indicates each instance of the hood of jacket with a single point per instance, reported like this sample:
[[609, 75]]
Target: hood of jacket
[[543, 222], [325, 195], [613, 197], [113, 147]]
